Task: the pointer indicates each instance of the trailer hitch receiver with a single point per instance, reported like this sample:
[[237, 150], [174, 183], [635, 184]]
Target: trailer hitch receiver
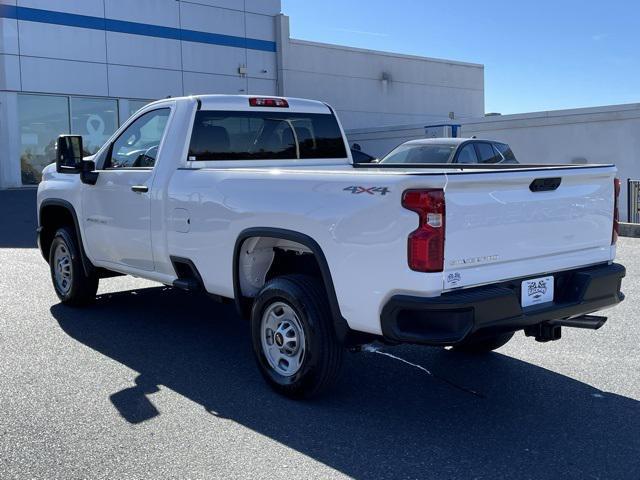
[[552, 330], [544, 332]]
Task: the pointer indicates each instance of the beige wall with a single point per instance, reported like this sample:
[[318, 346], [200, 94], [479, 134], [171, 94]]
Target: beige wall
[[372, 88]]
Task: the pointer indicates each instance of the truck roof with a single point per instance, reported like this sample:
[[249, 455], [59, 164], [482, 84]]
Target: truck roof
[[241, 103]]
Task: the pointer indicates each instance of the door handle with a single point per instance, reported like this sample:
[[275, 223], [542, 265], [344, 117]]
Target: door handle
[[140, 188]]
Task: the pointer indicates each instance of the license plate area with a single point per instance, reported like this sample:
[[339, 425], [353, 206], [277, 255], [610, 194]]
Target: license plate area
[[536, 291]]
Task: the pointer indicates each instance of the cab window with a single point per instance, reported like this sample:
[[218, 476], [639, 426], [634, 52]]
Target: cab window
[[223, 135], [137, 146]]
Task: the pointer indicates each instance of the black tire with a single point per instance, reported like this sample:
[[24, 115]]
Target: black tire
[[80, 288], [484, 344], [322, 358]]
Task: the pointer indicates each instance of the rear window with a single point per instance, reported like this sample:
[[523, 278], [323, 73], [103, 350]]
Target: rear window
[[265, 136], [420, 153]]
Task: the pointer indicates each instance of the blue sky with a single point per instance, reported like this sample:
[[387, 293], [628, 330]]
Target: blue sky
[[538, 55]]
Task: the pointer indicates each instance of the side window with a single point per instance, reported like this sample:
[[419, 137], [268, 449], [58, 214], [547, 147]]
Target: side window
[[506, 152], [467, 154], [137, 146], [486, 153]]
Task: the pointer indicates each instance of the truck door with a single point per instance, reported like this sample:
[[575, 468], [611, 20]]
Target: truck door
[[117, 209]]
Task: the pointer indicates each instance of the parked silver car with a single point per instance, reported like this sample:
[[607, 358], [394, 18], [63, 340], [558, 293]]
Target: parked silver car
[[450, 150]]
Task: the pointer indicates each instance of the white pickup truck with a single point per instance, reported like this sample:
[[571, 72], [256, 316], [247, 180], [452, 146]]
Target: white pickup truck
[[257, 201]]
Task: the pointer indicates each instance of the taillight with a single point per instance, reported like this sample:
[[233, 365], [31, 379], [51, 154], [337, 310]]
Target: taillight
[[268, 102], [425, 245], [616, 211]]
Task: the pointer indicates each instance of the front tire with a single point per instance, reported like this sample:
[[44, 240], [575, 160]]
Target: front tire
[[72, 285], [294, 342]]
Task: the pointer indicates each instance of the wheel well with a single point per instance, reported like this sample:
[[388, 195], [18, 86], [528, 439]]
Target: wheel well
[[262, 253], [262, 258], [52, 217]]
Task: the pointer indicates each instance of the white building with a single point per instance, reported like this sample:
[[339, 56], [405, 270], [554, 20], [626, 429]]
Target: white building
[[83, 66]]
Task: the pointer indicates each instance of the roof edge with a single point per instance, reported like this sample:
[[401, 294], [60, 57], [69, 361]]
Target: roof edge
[[385, 53]]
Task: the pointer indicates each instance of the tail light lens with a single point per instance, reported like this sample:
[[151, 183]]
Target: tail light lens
[[616, 211], [425, 245]]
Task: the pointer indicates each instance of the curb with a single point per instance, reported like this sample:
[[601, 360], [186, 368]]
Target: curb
[[630, 230]]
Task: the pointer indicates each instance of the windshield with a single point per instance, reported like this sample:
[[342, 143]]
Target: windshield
[[420, 153]]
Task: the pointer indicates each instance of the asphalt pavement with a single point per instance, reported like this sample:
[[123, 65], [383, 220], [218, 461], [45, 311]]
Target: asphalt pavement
[[151, 382]]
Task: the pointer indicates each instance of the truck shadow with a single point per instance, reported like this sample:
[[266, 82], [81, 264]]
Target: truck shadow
[[384, 418]]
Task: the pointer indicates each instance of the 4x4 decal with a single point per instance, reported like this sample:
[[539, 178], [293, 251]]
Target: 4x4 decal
[[356, 189]]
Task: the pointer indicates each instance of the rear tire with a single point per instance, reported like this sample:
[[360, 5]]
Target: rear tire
[[294, 341], [72, 285], [484, 344]]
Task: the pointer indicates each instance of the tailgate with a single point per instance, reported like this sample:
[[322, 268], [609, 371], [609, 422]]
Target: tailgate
[[499, 227]]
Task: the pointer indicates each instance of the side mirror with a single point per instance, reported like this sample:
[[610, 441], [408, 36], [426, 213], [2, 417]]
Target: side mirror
[[69, 154]]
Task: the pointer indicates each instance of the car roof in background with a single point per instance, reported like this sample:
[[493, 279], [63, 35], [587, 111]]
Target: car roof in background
[[438, 141]]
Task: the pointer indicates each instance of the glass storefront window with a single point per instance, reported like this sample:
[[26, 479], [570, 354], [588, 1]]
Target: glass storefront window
[[95, 119], [135, 105], [41, 119]]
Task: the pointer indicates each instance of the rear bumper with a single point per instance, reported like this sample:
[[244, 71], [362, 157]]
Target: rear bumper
[[453, 316]]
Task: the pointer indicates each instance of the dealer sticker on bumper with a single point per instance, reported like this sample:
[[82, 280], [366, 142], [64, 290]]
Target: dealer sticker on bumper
[[537, 291]]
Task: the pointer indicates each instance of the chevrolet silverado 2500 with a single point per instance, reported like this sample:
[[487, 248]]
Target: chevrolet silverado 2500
[[257, 201]]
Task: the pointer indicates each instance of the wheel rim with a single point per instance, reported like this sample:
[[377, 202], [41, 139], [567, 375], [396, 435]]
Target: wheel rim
[[283, 341], [62, 268]]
